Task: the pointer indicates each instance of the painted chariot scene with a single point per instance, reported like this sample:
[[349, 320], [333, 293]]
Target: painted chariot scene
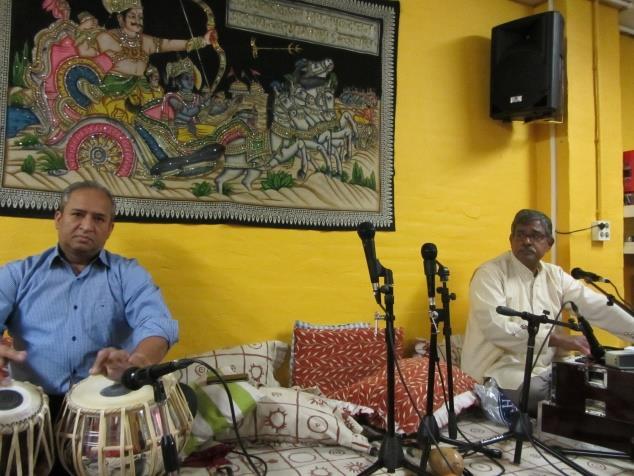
[[195, 101]]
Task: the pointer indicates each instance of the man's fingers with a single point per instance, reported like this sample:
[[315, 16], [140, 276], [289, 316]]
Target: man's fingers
[[11, 354], [100, 360], [109, 362], [5, 378]]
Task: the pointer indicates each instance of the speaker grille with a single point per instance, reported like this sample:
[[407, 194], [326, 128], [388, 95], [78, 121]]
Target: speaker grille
[[527, 68]]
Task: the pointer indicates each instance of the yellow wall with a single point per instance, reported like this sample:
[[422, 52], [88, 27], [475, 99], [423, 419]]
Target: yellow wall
[[460, 177], [592, 177]]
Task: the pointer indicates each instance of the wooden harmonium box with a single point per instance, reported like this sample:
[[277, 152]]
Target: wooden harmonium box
[[591, 403]]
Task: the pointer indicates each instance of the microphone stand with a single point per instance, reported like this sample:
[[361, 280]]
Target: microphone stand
[[444, 317], [391, 455], [611, 299], [168, 443], [521, 427], [428, 431]]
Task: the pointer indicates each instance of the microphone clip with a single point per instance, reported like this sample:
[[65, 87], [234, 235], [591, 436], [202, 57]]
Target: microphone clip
[[442, 272]]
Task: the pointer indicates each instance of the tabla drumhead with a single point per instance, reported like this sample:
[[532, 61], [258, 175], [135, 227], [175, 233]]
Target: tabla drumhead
[[18, 402], [98, 392]]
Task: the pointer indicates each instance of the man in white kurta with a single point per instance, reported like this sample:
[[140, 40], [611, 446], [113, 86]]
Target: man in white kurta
[[495, 345]]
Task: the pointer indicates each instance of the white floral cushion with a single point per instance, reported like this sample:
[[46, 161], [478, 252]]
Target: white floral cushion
[[259, 361], [293, 415]]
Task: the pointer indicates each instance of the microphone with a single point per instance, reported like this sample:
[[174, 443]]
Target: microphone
[[596, 350], [588, 276], [507, 311], [429, 253], [134, 378], [366, 232]]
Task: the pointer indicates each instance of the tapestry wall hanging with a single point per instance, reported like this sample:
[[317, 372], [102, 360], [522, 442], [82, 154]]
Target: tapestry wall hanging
[[261, 112]]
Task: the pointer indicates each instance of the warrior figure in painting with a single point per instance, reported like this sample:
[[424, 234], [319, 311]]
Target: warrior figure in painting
[[129, 50]]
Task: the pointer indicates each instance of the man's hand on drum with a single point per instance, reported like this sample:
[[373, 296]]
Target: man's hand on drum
[[111, 362], [7, 352]]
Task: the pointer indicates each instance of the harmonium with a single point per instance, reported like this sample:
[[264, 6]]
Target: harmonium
[[591, 403]]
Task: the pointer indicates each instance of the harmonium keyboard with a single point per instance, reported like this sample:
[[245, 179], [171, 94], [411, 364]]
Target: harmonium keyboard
[[591, 403]]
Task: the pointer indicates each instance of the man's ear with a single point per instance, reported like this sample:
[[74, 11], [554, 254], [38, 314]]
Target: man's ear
[[57, 217]]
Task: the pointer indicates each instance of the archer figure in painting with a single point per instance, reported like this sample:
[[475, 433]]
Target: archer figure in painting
[[129, 50]]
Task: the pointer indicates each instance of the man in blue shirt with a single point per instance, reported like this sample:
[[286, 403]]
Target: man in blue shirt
[[77, 309]]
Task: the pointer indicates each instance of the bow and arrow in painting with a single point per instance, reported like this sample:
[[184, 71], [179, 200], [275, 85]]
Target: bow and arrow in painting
[[164, 100]]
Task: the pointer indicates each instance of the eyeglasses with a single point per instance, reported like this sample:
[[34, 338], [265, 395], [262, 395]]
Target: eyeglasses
[[534, 236]]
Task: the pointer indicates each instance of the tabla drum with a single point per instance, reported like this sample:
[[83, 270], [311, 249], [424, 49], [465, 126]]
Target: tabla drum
[[106, 429], [27, 445]]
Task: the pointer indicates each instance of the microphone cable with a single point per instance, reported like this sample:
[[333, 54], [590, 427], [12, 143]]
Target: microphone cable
[[468, 442], [234, 422], [395, 358], [413, 403], [616, 290], [600, 226]]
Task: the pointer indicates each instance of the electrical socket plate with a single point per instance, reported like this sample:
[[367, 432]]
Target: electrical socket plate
[[599, 234]]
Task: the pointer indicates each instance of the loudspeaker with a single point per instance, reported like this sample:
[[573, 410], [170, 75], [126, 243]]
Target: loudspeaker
[[527, 68]]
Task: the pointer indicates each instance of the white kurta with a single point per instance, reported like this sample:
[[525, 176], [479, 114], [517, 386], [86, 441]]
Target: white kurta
[[495, 345]]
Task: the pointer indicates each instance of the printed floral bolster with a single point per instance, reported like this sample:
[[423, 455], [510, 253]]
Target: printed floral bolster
[[334, 358]]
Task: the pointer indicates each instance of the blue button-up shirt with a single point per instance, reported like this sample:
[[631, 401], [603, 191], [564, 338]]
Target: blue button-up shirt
[[62, 320]]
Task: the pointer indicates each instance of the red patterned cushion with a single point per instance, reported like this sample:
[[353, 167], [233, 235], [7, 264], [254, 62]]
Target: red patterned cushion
[[371, 392], [331, 359]]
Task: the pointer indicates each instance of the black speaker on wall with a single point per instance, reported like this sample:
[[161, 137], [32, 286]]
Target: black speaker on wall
[[527, 68]]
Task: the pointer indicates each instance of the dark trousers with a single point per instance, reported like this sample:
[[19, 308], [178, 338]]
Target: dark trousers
[[55, 407]]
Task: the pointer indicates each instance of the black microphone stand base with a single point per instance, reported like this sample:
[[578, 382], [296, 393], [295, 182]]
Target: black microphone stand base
[[521, 430], [594, 453], [391, 457]]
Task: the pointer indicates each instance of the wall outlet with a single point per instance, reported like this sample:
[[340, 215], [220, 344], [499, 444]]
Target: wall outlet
[[601, 230]]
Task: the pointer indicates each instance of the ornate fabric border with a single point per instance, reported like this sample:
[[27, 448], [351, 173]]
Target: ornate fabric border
[[288, 120]]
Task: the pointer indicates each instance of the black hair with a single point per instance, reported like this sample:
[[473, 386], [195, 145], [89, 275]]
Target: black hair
[[526, 215]]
